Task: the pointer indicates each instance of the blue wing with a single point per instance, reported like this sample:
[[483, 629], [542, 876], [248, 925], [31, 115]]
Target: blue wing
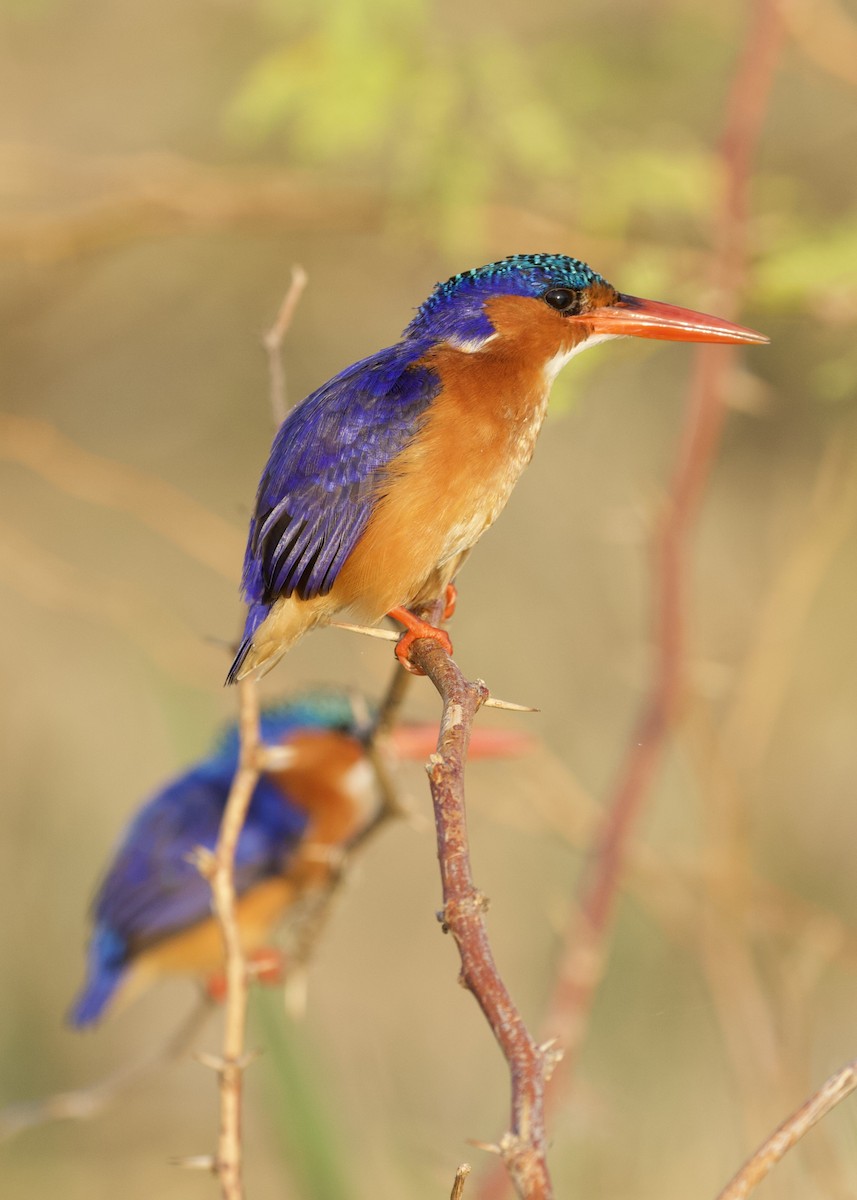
[[325, 471], [153, 890]]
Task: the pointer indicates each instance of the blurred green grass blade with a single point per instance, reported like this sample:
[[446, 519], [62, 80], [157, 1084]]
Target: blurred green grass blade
[[295, 1082]]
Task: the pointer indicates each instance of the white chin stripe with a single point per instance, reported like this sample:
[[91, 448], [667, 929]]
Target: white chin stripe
[[554, 365]]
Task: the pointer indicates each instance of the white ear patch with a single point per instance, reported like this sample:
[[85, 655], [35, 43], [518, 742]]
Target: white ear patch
[[361, 784], [554, 365], [471, 345]]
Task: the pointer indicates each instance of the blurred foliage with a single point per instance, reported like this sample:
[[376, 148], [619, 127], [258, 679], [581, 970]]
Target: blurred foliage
[[298, 1103], [376, 86]]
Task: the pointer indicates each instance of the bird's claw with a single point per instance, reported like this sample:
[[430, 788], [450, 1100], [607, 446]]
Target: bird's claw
[[450, 601], [406, 641], [417, 629]]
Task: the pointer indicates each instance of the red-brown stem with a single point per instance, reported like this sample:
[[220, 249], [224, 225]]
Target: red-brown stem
[[581, 968], [523, 1148]]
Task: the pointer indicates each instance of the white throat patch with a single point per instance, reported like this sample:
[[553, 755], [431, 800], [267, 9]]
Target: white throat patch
[[554, 365]]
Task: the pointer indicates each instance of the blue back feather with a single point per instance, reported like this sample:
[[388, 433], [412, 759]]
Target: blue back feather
[[326, 470]]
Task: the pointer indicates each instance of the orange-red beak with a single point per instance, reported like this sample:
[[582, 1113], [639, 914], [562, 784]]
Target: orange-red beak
[[415, 741], [632, 317]]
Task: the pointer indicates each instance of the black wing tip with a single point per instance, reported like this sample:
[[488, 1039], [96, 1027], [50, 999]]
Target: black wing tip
[[234, 673]]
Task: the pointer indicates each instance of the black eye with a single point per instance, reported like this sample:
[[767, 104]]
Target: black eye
[[564, 300]]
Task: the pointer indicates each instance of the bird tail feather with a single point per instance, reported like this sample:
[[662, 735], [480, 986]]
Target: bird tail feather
[[265, 644], [107, 966]]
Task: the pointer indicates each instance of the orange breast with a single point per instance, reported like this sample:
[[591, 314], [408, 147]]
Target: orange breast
[[199, 951], [451, 483]]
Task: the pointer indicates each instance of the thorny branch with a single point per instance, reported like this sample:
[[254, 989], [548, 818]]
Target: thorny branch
[[523, 1148]]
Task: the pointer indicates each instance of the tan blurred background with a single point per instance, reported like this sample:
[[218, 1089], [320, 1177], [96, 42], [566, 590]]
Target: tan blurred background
[[161, 168]]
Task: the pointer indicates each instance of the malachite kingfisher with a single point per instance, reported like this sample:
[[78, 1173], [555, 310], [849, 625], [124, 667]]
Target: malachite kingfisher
[[152, 913], [379, 483]]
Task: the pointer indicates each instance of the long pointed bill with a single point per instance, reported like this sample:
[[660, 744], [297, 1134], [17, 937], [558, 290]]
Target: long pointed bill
[[632, 317]]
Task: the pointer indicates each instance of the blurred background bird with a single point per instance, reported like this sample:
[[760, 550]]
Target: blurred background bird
[[152, 913], [381, 481]]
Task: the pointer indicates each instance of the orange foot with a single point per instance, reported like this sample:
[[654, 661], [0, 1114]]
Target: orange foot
[[450, 600], [415, 628], [266, 965]]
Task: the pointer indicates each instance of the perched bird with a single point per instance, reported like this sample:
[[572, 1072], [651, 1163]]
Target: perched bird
[[153, 913], [380, 482]]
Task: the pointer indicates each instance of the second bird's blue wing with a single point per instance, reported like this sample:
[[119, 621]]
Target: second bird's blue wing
[[152, 889], [323, 475]]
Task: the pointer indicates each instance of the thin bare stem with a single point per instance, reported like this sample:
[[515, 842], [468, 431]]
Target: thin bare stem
[[754, 1170], [523, 1148], [273, 343], [219, 869], [390, 707], [581, 969]]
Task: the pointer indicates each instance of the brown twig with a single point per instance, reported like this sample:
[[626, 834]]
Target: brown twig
[[273, 342], [219, 869], [754, 1170], [580, 971], [581, 968], [523, 1148]]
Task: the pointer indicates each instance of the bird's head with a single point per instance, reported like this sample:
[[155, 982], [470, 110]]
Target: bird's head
[[558, 304], [322, 737]]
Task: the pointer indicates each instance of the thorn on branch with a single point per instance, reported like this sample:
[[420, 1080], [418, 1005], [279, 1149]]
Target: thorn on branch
[[214, 1062], [552, 1053], [508, 705], [196, 1162], [204, 860], [385, 635], [488, 1147]]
